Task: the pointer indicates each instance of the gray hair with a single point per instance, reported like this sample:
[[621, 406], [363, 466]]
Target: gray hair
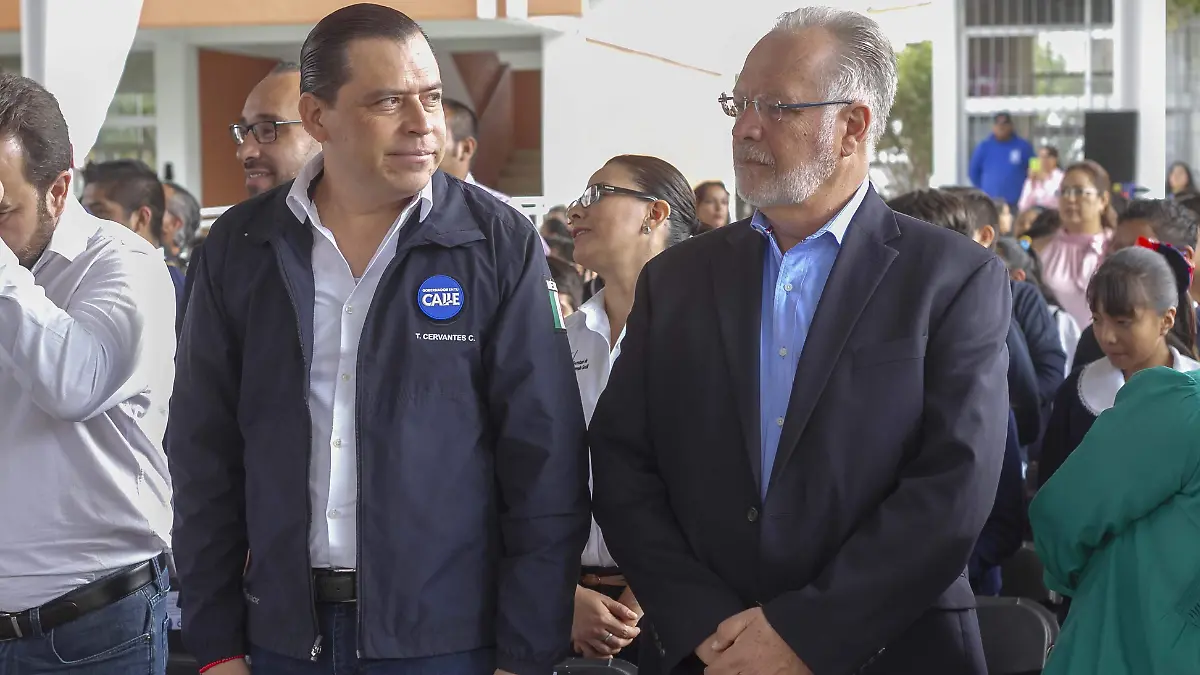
[[866, 70]]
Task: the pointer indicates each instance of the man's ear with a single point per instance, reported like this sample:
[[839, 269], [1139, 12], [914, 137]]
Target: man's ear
[[312, 110], [57, 195], [986, 236], [469, 146], [139, 220]]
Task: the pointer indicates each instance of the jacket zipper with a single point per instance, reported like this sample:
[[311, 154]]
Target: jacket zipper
[[384, 278], [315, 652]]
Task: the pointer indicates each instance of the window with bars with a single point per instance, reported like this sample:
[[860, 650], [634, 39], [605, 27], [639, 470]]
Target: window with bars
[[1051, 63], [1063, 130], [1036, 12], [130, 128]]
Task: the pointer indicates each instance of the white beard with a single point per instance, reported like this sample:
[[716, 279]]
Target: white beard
[[798, 185]]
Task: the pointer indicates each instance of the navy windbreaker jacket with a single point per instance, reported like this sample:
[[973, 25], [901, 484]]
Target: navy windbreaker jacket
[[472, 461]]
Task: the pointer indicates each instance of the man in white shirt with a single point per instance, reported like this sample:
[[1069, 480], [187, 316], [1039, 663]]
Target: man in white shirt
[[86, 365], [376, 402], [462, 142]]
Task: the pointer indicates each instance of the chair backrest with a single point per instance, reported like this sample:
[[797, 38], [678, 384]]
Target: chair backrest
[[1022, 575], [595, 667], [1017, 634]]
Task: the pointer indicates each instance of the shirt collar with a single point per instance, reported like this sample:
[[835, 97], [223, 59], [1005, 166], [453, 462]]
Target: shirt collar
[[837, 226], [72, 232], [595, 318], [300, 203]]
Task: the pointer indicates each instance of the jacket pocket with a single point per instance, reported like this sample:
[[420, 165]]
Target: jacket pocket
[[906, 349]]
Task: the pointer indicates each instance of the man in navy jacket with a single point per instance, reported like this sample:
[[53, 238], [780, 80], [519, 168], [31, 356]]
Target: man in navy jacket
[[376, 439]]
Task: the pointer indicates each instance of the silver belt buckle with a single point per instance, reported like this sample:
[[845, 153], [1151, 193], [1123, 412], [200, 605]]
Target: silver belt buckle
[[16, 626]]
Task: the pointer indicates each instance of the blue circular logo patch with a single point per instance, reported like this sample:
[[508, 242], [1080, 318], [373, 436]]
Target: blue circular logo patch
[[441, 298]]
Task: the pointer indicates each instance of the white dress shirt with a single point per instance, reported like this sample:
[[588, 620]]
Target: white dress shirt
[[87, 361], [338, 317], [588, 331]]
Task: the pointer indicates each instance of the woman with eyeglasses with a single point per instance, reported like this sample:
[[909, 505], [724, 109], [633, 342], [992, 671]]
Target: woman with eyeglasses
[[1088, 219], [633, 208]]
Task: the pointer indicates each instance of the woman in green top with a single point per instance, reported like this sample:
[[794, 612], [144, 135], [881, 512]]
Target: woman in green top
[[1118, 529]]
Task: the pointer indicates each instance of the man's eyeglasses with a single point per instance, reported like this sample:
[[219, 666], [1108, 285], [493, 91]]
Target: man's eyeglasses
[[264, 132], [593, 193], [735, 106]]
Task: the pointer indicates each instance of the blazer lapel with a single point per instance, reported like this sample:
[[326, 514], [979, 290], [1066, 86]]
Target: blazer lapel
[[863, 260], [737, 288]]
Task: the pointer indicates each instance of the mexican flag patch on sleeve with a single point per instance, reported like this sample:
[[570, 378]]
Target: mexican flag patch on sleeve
[[555, 309]]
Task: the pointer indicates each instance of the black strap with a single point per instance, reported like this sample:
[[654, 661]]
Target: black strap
[[334, 586], [84, 600]]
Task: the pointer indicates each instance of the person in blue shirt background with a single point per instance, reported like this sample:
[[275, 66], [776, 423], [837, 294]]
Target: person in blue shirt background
[[1000, 163]]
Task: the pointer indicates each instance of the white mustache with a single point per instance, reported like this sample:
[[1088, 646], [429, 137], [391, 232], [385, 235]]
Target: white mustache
[[749, 153]]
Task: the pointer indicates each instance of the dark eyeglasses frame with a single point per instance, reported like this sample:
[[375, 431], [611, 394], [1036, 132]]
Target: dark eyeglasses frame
[[601, 190], [734, 106], [238, 131]]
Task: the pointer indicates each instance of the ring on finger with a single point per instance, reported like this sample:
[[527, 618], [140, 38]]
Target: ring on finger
[[608, 637]]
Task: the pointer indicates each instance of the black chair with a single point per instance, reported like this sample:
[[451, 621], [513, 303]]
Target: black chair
[[1017, 634], [595, 667], [179, 662], [1022, 575]]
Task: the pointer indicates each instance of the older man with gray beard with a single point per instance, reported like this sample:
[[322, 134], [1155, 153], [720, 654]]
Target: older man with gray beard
[[799, 489]]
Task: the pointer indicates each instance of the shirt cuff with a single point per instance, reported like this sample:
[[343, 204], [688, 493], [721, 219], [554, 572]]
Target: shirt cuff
[[214, 664]]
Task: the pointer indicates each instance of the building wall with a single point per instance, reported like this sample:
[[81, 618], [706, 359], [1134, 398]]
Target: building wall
[[225, 81], [184, 13], [527, 96], [627, 102]]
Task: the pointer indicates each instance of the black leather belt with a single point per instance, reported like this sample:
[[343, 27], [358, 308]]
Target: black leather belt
[[334, 586], [83, 600]]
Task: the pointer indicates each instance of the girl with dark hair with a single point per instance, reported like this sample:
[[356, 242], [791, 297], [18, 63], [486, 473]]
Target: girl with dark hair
[[1180, 183], [633, 208], [1143, 319], [712, 205], [1071, 257], [1024, 220], [1042, 230], [1023, 265]]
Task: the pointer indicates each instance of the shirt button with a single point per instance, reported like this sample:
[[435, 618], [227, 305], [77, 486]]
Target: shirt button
[[787, 287], [349, 309], [334, 513], [752, 514], [337, 442], [345, 377], [783, 351], [778, 421]]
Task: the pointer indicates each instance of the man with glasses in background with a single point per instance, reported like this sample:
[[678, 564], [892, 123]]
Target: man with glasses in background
[[272, 144], [798, 461]]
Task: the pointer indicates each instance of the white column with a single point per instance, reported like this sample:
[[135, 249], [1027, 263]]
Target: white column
[[177, 111], [1125, 48], [77, 49], [1141, 80], [564, 75], [949, 122], [33, 39]]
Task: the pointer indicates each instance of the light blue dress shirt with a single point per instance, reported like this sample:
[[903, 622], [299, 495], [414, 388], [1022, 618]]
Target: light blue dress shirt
[[791, 289]]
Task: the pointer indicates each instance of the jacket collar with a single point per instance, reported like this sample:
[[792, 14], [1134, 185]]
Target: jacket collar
[[452, 224], [1099, 381]]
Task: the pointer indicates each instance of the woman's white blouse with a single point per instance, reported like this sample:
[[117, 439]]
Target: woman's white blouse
[[588, 331]]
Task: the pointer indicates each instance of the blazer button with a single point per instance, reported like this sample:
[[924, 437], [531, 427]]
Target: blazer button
[[752, 514]]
